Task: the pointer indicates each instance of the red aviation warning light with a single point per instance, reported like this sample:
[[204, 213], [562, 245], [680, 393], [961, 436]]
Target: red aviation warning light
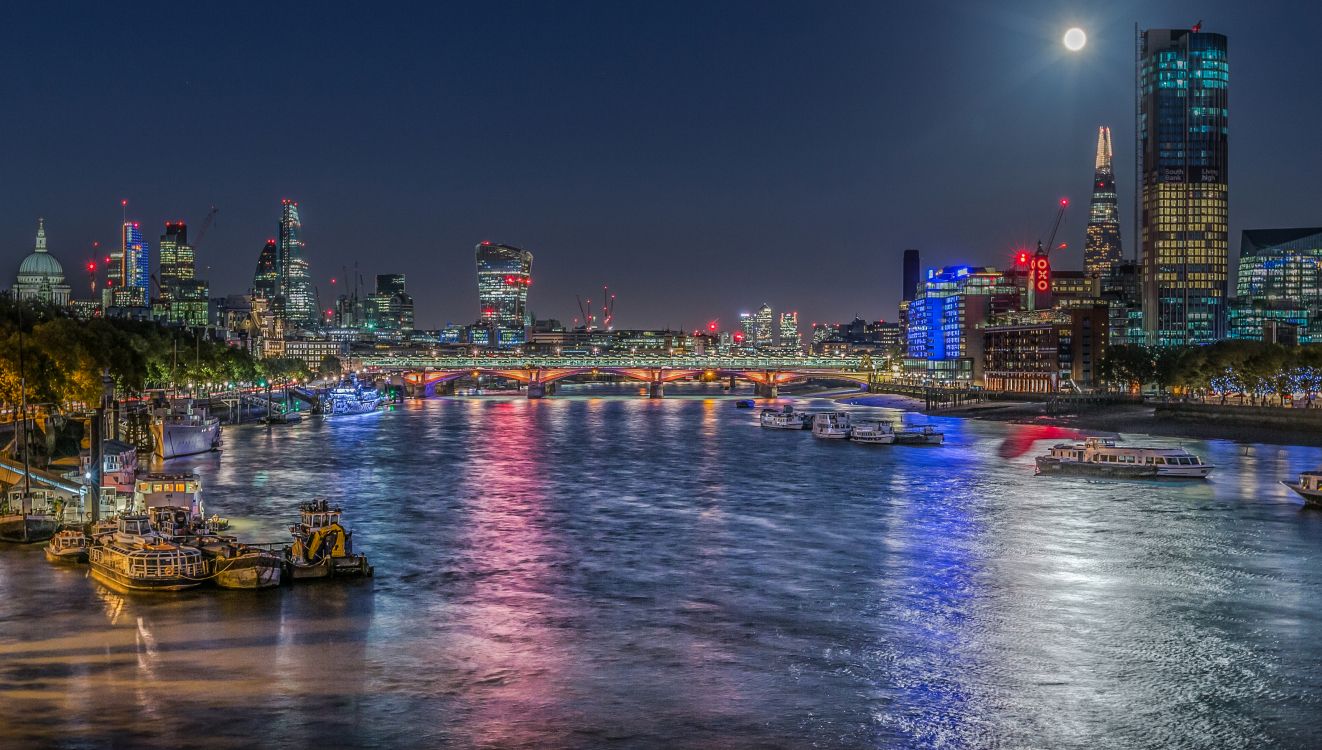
[[1021, 259], [712, 326]]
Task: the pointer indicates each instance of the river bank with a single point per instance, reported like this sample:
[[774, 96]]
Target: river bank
[[1128, 418]]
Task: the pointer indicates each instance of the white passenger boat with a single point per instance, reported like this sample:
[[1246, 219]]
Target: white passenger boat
[[1102, 457], [873, 433], [136, 558], [786, 419], [927, 435], [352, 397], [831, 425], [181, 429], [1309, 487]]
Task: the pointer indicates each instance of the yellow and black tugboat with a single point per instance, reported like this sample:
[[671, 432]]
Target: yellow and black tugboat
[[322, 547]]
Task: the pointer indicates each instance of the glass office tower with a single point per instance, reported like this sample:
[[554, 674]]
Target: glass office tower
[[1183, 81], [504, 273]]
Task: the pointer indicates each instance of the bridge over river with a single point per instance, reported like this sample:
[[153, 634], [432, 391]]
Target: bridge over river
[[540, 373]]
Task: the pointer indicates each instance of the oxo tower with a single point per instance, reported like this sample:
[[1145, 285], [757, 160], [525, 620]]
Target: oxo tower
[[1101, 251]]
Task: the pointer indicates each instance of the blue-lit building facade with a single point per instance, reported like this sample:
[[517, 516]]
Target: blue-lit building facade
[[943, 341], [134, 269], [504, 273], [1279, 283], [1182, 126]]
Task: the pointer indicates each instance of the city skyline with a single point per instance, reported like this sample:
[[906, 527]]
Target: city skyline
[[765, 205]]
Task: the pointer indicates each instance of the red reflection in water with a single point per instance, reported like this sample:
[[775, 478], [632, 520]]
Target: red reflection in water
[[1021, 438], [514, 656]]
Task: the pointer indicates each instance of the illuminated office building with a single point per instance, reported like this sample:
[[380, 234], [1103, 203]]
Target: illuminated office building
[[504, 273], [1101, 248], [1279, 283], [296, 303], [763, 328], [134, 287], [943, 342], [1183, 83], [264, 278], [790, 339]]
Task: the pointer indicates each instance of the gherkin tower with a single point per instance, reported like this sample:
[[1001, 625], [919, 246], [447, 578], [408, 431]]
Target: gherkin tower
[[1102, 251]]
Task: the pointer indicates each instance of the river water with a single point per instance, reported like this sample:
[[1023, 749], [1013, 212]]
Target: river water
[[609, 571]]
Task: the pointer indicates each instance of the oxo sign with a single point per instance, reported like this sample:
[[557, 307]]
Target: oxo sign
[[1039, 273]]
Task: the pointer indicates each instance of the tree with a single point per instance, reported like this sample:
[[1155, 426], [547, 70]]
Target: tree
[[330, 367]]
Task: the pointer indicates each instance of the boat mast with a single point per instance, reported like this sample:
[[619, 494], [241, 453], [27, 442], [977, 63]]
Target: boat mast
[[23, 413]]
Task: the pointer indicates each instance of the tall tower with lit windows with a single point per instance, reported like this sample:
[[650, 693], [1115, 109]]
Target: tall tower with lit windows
[[1101, 249], [504, 273], [1183, 81], [296, 305]]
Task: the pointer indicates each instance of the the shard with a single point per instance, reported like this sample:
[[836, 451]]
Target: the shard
[[1101, 251]]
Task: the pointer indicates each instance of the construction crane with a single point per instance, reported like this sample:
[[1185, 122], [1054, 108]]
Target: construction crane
[[207, 222], [607, 308], [1055, 227]]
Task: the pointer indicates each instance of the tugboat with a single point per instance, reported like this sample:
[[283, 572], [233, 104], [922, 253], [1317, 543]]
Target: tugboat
[[786, 419], [873, 433], [1309, 487], [68, 546], [1102, 457], [322, 547], [352, 397], [833, 425], [136, 558], [914, 436], [181, 429]]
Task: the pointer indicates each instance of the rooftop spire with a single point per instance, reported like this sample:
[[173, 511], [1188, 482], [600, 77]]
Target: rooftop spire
[[41, 235], [1103, 148]]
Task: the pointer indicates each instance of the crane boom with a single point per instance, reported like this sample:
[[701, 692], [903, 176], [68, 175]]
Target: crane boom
[[1055, 227]]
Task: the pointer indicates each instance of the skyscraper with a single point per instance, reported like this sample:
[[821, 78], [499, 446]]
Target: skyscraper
[[764, 328], [1182, 140], [790, 339], [184, 297], [264, 278], [909, 282], [133, 289], [1101, 250], [176, 258], [504, 273], [296, 304], [391, 308]]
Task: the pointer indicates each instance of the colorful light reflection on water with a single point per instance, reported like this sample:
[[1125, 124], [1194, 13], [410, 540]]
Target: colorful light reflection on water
[[589, 571]]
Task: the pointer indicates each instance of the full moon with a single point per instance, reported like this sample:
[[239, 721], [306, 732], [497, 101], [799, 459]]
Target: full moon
[[1075, 39]]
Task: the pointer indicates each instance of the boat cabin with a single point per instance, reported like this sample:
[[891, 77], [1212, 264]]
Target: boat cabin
[[1105, 451], [175, 490], [318, 514], [1310, 481]]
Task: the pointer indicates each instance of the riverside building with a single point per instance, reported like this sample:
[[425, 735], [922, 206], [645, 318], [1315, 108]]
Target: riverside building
[[1279, 283], [1183, 81]]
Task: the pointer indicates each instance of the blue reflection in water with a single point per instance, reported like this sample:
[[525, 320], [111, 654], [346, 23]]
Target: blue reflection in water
[[596, 570]]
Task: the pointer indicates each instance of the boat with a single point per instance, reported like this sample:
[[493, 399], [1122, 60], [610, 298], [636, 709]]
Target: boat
[[831, 425], [169, 490], [136, 558], [873, 433], [322, 546], [30, 516], [235, 565], [786, 419], [216, 523], [1309, 487], [181, 429], [1102, 457], [68, 546], [915, 436], [352, 397], [743, 403]]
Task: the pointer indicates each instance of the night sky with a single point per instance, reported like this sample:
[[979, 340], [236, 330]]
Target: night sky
[[700, 157]]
